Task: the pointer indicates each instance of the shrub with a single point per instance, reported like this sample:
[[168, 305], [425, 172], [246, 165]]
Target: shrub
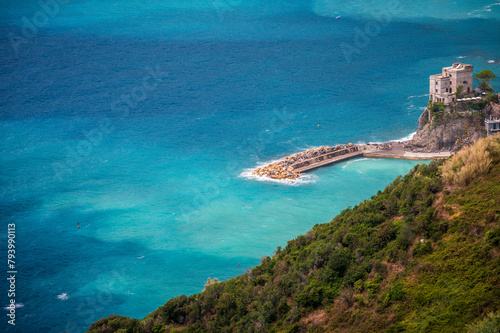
[[422, 249], [490, 324], [159, 328], [360, 300], [469, 163], [396, 293], [436, 107], [373, 286], [310, 297], [210, 282], [173, 311], [493, 237], [339, 262]]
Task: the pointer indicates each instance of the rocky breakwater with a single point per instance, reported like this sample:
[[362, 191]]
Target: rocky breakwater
[[285, 169]]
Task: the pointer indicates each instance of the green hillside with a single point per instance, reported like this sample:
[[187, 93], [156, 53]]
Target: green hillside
[[421, 256]]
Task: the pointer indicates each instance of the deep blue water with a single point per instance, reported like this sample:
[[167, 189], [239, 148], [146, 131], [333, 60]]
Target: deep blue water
[[138, 120]]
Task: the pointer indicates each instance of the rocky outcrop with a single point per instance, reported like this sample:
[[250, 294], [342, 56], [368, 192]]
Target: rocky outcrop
[[423, 119], [450, 131]]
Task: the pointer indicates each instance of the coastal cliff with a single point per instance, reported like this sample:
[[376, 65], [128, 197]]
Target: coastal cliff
[[449, 130], [422, 255]]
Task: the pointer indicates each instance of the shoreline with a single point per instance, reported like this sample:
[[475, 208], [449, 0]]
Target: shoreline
[[296, 165]]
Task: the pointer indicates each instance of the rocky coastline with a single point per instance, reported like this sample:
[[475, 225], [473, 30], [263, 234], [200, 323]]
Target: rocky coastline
[[450, 131], [439, 135]]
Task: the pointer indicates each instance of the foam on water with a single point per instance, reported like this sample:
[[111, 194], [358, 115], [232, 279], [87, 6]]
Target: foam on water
[[305, 178], [63, 297], [418, 96], [357, 160], [408, 137], [405, 138], [16, 306], [483, 10]]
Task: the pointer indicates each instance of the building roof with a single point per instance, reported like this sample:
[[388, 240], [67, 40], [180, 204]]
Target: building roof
[[439, 77], [458, 66]]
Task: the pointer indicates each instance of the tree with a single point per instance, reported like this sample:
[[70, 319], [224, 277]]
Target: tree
[[485, 76], [437, 107], [458, 93], [210, 282]]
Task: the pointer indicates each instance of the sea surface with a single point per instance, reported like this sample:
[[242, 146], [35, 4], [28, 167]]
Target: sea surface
[[128, 129]]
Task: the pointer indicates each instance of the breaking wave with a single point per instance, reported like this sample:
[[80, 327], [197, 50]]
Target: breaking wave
[[63, 296], [305, 178]]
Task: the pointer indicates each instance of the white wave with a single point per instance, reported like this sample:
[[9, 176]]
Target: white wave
[[63, 296], [16, 306], [304, 178], [478, 12], [417, 96], [347, 163], [408, 137], [461, 57], [140, 257]]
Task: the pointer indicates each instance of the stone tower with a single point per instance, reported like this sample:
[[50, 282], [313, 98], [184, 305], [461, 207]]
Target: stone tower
[[442, 87]]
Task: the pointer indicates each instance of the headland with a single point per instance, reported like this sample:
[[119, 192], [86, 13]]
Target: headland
[[456, 116]]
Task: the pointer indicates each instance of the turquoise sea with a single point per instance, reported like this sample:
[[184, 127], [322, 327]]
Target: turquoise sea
[[139, 120]]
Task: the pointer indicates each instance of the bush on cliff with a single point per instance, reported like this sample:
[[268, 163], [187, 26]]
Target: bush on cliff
[[471, 162]]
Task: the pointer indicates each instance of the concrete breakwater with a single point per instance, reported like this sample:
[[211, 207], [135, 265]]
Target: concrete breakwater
[[291, 167]]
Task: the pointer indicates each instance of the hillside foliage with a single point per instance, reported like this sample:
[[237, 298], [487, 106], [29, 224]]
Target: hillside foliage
[[415, 257], [471, 162]]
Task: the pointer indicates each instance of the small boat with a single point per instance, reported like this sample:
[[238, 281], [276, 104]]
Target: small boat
[[338, 17]]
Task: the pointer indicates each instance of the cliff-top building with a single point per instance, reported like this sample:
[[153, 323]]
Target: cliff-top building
[[442, 87], [492, 125]]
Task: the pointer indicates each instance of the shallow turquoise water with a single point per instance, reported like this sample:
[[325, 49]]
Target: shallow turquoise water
[[159, 187]]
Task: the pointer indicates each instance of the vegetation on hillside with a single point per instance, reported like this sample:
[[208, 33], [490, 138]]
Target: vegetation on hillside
[[471, 162], [422, 255]]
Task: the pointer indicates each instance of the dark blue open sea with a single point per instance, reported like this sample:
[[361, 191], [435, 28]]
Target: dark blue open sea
[[139, 120]]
